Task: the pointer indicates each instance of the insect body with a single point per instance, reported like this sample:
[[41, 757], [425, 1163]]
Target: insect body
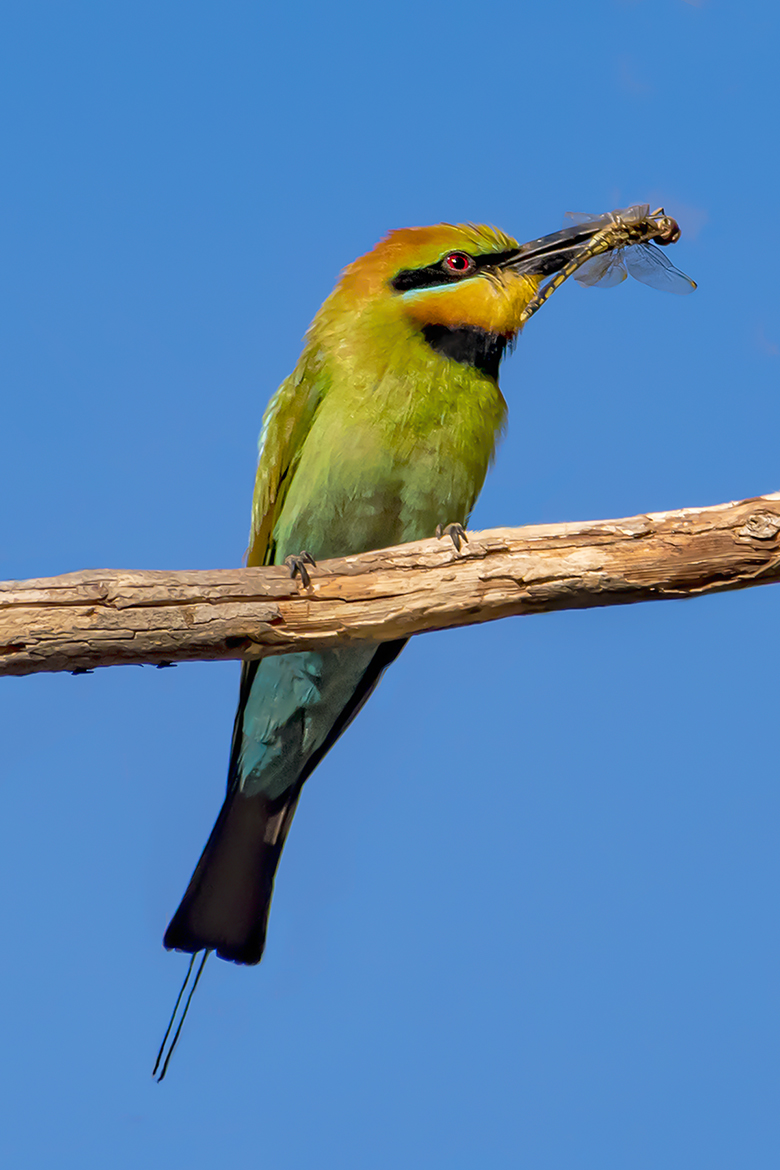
[[614, 245]]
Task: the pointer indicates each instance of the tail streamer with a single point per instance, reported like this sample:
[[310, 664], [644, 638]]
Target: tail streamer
[[177, 1033]]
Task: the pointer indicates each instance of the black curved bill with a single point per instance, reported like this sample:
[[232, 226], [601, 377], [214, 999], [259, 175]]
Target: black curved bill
[[549, 254]]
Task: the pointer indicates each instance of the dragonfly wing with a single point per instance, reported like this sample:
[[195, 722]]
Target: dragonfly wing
[[650, 266], [585, 217], [605, 270], [633, 214]]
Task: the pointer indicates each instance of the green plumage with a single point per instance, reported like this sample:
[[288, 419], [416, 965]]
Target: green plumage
[[375, 439], [372, 460]]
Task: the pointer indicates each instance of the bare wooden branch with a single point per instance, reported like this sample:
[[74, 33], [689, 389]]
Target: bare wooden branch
[[107, 617]]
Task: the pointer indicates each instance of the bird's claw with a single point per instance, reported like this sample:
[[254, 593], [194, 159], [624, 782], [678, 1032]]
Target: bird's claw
[[297, 563], [456, 533]]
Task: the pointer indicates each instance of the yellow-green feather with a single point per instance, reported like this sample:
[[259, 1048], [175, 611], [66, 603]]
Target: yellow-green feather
[[374, 439]]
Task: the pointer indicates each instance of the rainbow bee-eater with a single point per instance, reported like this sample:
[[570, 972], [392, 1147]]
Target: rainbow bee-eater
[[382, 434]]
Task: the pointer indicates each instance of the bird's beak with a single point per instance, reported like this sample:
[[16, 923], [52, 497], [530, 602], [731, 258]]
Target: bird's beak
[[549, 254]]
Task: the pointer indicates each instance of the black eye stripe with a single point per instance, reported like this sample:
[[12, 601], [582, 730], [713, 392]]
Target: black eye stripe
[[411, 278], [428, 277]]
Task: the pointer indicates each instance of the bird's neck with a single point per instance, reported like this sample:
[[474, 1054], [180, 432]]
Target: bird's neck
[[369, 343]]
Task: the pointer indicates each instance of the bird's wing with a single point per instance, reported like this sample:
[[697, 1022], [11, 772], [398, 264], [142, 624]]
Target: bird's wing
[[286, 423]]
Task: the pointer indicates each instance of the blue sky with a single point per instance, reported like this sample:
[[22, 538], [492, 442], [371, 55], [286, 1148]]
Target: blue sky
[[529, 911]]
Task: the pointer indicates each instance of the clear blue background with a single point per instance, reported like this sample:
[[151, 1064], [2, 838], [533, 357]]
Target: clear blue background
[[528, 915]]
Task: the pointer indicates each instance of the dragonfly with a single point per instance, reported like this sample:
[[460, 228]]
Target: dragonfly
[[644, 262], [604, 249]]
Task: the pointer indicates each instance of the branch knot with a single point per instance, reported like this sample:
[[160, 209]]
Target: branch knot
[[760, 526]]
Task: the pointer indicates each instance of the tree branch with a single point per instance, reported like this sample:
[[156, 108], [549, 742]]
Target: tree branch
[[108, 617]]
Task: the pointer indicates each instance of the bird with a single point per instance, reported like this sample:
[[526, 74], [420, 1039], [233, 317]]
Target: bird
[[382, 434]]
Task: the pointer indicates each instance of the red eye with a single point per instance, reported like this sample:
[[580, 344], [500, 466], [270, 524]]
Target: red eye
[[458, 262]]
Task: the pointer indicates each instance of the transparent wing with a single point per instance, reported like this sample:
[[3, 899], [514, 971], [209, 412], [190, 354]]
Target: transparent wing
[[639, 211], [605, 270], [585, 217], [650, 266], [634, 214]]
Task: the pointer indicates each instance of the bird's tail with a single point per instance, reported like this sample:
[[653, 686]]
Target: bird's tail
[[225, 908]]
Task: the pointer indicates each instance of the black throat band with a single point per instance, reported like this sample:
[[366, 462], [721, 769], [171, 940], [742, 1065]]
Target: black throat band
[[469, 345]]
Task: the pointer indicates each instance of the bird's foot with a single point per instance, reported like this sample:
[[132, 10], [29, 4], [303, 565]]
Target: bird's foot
[[456, 533], [297, 565]]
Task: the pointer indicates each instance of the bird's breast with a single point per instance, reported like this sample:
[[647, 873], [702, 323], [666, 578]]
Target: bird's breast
[[388, 460]]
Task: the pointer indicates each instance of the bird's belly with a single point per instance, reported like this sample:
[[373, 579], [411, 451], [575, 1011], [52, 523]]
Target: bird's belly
[[368, 496]]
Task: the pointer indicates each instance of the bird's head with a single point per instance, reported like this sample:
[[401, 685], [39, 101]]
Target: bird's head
[[457, 275], [450, 285]]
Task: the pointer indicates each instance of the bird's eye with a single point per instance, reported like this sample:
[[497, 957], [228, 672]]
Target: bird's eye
[[459, 263]]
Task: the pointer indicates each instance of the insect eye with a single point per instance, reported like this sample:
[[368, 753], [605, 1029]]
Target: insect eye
[[458, 262]]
